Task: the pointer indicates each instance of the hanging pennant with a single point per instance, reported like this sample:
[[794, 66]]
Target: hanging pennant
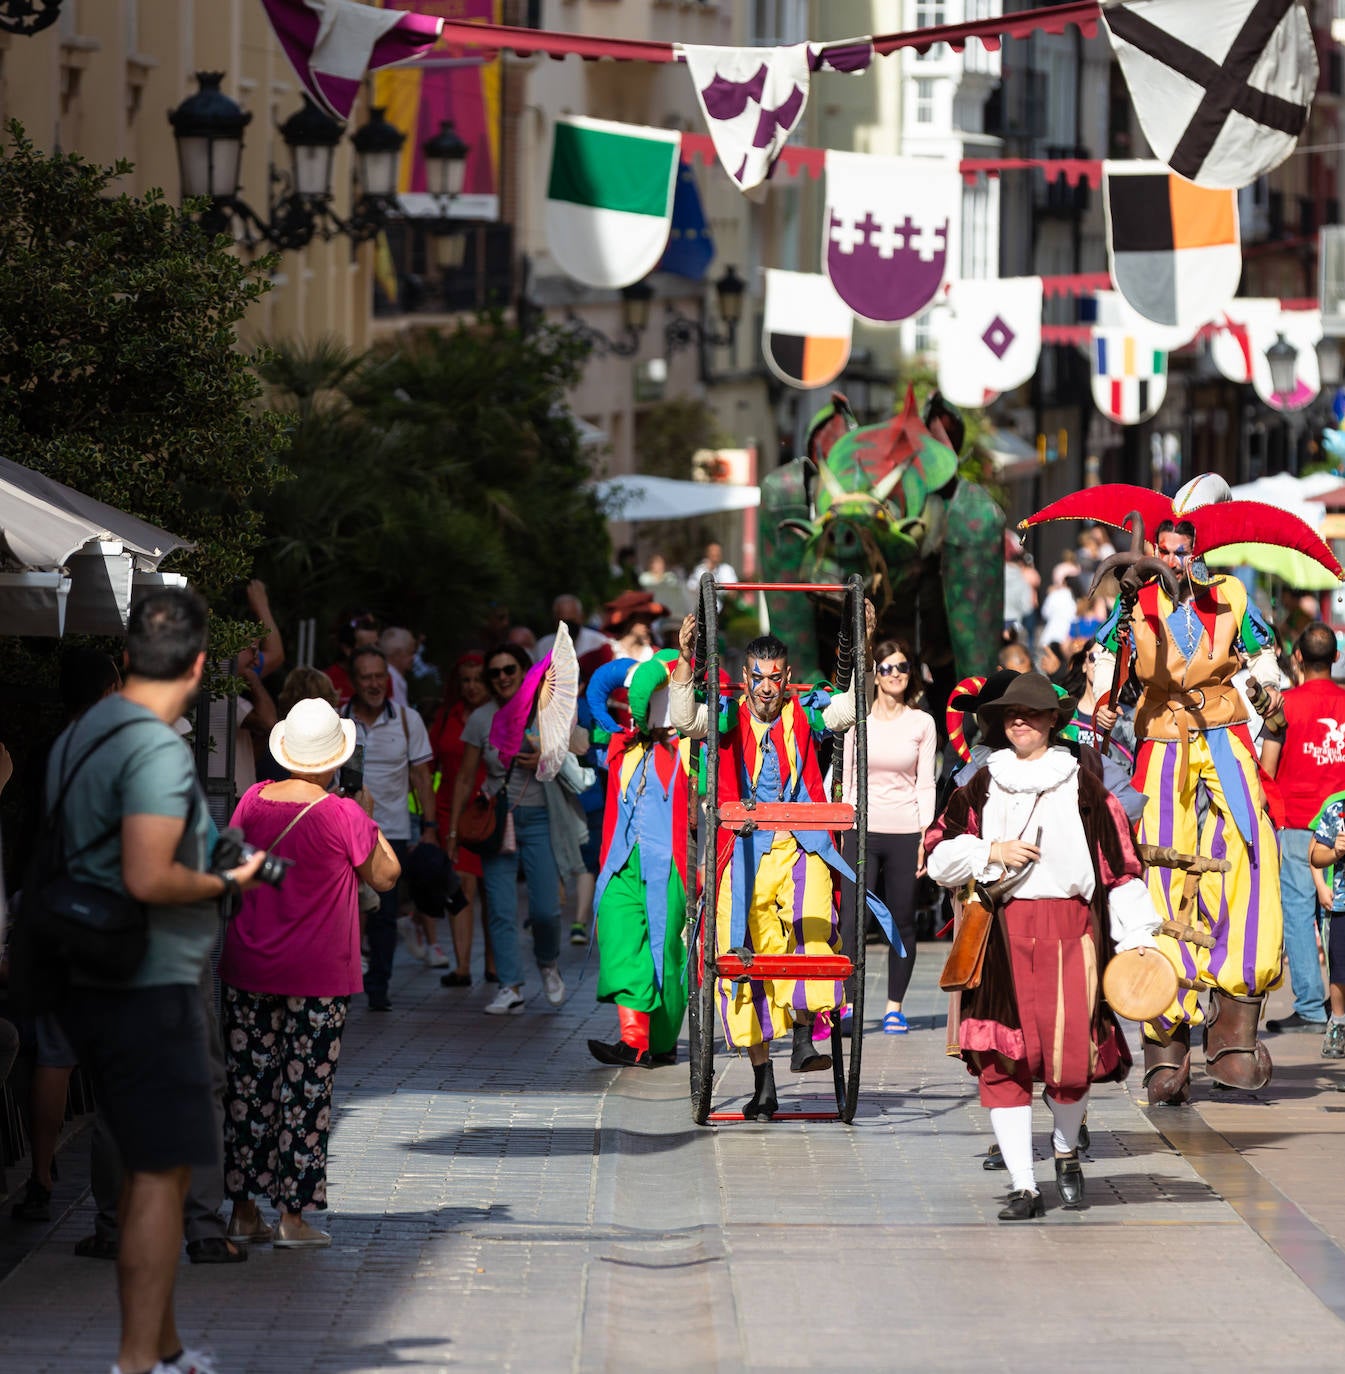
[[1110, 308], [1246, 322], [805, 333], [1130, 375], [1302, 329], [691, 246], [609, 199], [989, 338], [332, 43], [1173, 246], [890, 230], [752, 100], [1222, 90]]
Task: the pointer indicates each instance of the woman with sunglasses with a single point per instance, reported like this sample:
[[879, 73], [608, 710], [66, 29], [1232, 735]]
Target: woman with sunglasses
[[901, 806], [505, 666], [1038, 1015]]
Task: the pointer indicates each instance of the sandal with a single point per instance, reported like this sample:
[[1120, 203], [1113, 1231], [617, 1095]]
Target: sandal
[[96, 1247], [215, 1250], [455, 980]]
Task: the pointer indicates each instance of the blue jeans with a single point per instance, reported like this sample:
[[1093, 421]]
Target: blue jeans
[[532, 828], [1298, 898], [381, 927]]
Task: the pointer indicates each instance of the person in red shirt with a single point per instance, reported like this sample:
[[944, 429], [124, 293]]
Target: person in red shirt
[[1308, 764], [358, 631]]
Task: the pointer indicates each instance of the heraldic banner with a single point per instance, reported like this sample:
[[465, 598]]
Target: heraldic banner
[[989, 338], [1221, 87], [609, 199], [889, 232], [805, 334], [1130, 375], [1173, 246]]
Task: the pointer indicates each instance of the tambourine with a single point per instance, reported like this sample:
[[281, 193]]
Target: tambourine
[[1139, 985]]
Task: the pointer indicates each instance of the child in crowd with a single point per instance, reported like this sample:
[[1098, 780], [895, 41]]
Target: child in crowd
[[1328, 852]]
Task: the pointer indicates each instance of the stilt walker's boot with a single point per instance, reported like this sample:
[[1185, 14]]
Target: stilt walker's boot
[[1233, 1054], [806, 1057], [632, 1050], [1167, 1069], [764, 1103]]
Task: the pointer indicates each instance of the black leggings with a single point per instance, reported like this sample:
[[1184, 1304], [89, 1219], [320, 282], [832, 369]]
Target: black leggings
[[1335, 949], [891, 861]]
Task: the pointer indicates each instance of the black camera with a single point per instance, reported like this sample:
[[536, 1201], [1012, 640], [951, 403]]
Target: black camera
[[351, 779], [231, 849]]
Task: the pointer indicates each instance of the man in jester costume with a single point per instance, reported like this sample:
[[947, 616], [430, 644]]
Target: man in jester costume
[[641, 890], [1184, 633], [775, 891]]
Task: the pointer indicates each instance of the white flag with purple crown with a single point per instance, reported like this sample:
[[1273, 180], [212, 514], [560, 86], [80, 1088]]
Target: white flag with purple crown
[[890, 232]]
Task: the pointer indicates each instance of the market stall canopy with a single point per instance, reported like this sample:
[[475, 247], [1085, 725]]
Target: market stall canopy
[[70, 563], [1298, 496], [635, 497]]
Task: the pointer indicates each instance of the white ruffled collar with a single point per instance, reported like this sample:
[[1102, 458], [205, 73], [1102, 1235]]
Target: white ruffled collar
[[1012, 774]]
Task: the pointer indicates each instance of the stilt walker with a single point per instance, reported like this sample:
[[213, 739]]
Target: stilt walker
[[1185, 632], [641, 890]]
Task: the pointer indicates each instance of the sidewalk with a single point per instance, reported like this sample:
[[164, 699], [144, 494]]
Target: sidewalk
[[500, 1202]]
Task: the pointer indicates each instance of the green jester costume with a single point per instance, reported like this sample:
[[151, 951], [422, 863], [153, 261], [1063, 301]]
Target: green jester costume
[[641, 889]]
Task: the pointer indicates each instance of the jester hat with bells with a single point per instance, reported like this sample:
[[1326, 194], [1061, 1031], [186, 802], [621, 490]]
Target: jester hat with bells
[[1206, 504]]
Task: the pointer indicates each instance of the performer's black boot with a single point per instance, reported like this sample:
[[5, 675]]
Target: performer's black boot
[[764, 1101], [806, 1057]]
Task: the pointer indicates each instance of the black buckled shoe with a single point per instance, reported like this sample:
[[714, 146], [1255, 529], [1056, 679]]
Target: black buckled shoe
[[1023, 1206], [620, 1055], [993, 1160], [764, 1103], [805, 1056], [1069, 1179]]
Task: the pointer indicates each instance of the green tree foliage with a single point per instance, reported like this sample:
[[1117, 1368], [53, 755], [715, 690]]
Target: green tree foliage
[[432, 479], [120, 372]]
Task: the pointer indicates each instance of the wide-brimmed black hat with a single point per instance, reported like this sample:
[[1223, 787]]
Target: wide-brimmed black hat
[[1032, 692], [991, 690]]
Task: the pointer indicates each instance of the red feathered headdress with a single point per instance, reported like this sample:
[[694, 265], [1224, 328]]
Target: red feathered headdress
[[1216, 525]]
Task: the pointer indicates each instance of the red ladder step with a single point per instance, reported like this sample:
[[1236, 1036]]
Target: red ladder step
[[824, 967], [738, 816]]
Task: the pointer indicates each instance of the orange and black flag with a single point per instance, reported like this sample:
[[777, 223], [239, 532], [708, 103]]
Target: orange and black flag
[[805, 334]]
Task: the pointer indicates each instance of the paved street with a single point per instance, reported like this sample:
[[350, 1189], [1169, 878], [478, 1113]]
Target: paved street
[[501, 1202]]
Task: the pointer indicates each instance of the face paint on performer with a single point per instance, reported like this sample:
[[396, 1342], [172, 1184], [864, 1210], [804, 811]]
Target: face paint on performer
[[764, 682], [1174, 549]]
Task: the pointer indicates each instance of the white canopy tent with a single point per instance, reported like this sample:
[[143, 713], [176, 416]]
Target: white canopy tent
[[70, 563], [635, 497]]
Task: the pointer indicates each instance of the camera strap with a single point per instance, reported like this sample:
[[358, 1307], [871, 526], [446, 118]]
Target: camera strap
[[271, 848]]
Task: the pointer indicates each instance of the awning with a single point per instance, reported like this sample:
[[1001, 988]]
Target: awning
[[1291, 494], [1011, 455], [70, 563], [636, 498]]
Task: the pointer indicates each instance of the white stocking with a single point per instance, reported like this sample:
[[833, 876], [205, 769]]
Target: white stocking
[[1013, 1130], [1068, 1118]]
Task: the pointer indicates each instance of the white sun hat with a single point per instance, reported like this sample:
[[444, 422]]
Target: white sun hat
[[312, 738]]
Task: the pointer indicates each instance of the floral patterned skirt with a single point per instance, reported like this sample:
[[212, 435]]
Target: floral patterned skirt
[[281, 1055]]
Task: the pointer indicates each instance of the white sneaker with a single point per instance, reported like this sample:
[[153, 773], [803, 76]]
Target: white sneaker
[[194, 1362], [411, 937], [435, 956], [364, 963], [507, 1003], [553, 985]]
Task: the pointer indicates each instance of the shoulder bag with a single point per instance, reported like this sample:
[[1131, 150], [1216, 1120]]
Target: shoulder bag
[[481, 824]]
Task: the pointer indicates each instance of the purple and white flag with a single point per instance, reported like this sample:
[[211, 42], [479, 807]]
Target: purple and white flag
[[890, 232], [752, 99], [332, 43]]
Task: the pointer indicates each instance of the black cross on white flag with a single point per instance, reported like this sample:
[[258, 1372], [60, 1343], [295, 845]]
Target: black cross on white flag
[[1221, 87]]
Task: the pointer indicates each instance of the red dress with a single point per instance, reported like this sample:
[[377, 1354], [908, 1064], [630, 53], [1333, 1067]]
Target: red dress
[[446, 741]]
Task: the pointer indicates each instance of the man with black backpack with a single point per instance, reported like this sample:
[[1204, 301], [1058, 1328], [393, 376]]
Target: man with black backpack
[[133, 829]]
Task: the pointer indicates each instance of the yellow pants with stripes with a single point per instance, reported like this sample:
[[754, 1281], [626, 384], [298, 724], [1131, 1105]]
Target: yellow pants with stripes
[[791, 912], [1241, 907]]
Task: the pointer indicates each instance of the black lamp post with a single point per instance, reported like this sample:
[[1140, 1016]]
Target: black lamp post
[[445, 173], [208, 127], [635, 302], [1282, 357]]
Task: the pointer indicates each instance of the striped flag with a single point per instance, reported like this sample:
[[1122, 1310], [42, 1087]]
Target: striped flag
[[1130, 375], [609, 199]]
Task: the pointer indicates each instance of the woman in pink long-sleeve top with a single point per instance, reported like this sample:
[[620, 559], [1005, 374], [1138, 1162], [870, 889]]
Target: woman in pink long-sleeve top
[[901, 805]]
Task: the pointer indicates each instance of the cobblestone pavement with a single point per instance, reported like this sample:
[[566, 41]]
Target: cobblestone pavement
[[500, 1202]]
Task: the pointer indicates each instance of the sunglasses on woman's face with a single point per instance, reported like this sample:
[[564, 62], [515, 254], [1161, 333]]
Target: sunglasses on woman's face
[[507, 671], [887, 669]]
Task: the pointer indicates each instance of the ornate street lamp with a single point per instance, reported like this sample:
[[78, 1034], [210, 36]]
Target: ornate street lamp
[[1282, 357], [378, 151], [208, 127], [445, 162], [635, 303], [680, 332]]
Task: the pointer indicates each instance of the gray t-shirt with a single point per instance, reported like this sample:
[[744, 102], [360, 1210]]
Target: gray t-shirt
[[143, 770], [524, 789]]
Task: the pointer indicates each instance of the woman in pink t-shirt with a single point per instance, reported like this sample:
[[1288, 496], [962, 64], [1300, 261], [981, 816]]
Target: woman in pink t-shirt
[[901, 805], [291, 960]]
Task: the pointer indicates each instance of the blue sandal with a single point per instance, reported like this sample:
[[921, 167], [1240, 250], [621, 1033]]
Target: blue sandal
[[894, 1023]]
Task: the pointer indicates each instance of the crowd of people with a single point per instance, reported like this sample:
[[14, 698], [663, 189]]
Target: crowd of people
[[386, 798]]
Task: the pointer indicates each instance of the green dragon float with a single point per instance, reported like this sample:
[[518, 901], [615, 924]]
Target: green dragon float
[[885, 501]]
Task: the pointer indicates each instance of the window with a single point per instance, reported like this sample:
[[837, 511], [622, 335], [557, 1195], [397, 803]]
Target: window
[[924, 100], [930, 14], [923, 340], [778, 23]]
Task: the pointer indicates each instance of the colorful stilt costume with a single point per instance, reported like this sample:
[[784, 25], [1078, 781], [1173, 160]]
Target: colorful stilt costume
[[641, 890], [1191, 727]]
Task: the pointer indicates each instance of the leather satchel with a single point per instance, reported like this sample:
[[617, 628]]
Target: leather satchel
[[966, 960], [481, 824]]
